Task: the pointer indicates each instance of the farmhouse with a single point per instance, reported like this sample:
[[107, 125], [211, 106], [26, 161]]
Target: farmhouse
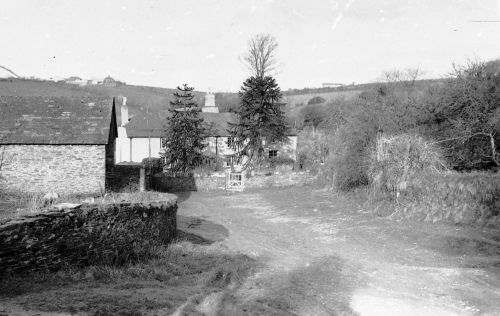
[[56, 144], [142, 136]]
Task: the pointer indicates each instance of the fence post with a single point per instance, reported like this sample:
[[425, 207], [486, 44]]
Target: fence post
[[142, 179]]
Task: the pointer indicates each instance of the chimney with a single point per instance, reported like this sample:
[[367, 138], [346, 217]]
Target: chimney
[[124, 110], [210, 103]]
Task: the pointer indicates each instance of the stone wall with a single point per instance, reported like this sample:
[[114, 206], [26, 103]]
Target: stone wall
[[279, 180], [217, 181], [59, 168], [91, 234]]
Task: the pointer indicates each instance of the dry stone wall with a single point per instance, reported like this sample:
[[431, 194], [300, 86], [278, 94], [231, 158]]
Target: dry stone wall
[[167, 183], [90, 234], [59, 168]]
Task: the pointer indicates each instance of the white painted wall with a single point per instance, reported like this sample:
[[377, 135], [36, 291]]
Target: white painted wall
[[140, 148], [122, 149]]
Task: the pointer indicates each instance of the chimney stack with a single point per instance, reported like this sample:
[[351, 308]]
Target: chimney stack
[[210, 103], [124, 111]]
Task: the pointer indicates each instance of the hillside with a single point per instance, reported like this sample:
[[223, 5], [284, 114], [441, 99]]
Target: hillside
[[138, 97], [157, 99], [295, 103]]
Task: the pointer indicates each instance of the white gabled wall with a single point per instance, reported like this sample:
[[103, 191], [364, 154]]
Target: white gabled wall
[[140, 148], [136, 149]]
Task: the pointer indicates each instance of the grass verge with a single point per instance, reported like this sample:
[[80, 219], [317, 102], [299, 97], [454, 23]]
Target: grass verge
[[180, 273]]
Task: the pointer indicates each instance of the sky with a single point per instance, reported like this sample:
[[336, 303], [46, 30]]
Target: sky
[[167, 43]]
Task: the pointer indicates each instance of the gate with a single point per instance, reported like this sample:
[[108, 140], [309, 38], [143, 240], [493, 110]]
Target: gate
[[235, 181]]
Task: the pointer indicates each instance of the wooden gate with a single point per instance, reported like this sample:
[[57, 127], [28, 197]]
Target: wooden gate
[[235, 181]]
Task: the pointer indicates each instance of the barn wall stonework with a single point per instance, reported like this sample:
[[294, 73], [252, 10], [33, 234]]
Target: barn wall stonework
[[58, 168]]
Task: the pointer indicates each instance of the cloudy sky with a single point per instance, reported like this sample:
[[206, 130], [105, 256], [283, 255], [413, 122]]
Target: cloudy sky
[[165, 43]]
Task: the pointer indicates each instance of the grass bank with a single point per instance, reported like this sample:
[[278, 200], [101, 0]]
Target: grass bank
[[176, 279]]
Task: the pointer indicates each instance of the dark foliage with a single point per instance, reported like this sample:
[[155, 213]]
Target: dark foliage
[[316, 100], [184, 133], [261, 119], [466, 116], [152, 165]]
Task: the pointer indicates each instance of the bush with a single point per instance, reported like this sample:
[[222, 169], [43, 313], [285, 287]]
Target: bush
[[153, 164], [349, 152], [280, 161], [397, 159], [316, 100]]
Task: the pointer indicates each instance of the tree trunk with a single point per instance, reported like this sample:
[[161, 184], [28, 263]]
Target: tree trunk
[[494, 150]]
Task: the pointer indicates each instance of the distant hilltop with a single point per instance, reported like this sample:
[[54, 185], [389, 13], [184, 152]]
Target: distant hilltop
[[107, 81]]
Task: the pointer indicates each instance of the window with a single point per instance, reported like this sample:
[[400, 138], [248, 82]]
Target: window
[[229, 161], [273, 153], [230, 141]]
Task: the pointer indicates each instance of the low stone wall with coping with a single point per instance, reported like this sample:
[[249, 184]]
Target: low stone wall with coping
[[217, 181], [107, 233]]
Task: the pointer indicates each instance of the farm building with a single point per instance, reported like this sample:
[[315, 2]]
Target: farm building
[[142, 136], [56, 144]]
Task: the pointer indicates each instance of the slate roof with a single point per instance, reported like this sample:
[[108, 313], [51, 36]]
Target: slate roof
[[216, 123], [55, 120]]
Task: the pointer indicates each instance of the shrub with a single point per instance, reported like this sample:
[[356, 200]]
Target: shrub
[[349, 151], [397, 159], [316, 100], [153, 164], [280, 161]]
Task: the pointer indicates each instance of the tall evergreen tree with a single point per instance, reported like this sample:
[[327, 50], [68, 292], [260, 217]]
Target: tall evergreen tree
[[261, 120], [184, 132]]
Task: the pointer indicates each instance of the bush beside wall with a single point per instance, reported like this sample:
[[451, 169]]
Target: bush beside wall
[[93, 234], [125, 178]]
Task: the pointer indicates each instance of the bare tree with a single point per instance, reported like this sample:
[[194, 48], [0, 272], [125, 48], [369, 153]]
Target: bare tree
[[470, 105], [260, 58]]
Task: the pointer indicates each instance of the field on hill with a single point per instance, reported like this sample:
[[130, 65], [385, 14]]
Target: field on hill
[[138, 97], [295, 103], [156, 99]]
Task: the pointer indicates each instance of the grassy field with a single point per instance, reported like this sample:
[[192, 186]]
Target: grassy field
[[295, 103], [138, 97]]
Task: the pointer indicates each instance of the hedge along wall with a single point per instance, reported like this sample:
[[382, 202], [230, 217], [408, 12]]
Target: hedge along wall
[[92, 234], [457, 197]]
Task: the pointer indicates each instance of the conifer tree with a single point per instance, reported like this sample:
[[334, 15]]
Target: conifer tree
[[261, 120], [184, 132]]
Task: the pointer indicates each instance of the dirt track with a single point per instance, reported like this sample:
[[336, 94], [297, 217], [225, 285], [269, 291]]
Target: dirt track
[[324, 254]]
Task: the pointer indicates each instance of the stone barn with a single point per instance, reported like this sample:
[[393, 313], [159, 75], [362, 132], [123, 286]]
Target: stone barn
[[65, 145]]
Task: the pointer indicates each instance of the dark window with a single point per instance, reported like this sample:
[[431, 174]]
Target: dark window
[[230, 141], [273, 153]]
